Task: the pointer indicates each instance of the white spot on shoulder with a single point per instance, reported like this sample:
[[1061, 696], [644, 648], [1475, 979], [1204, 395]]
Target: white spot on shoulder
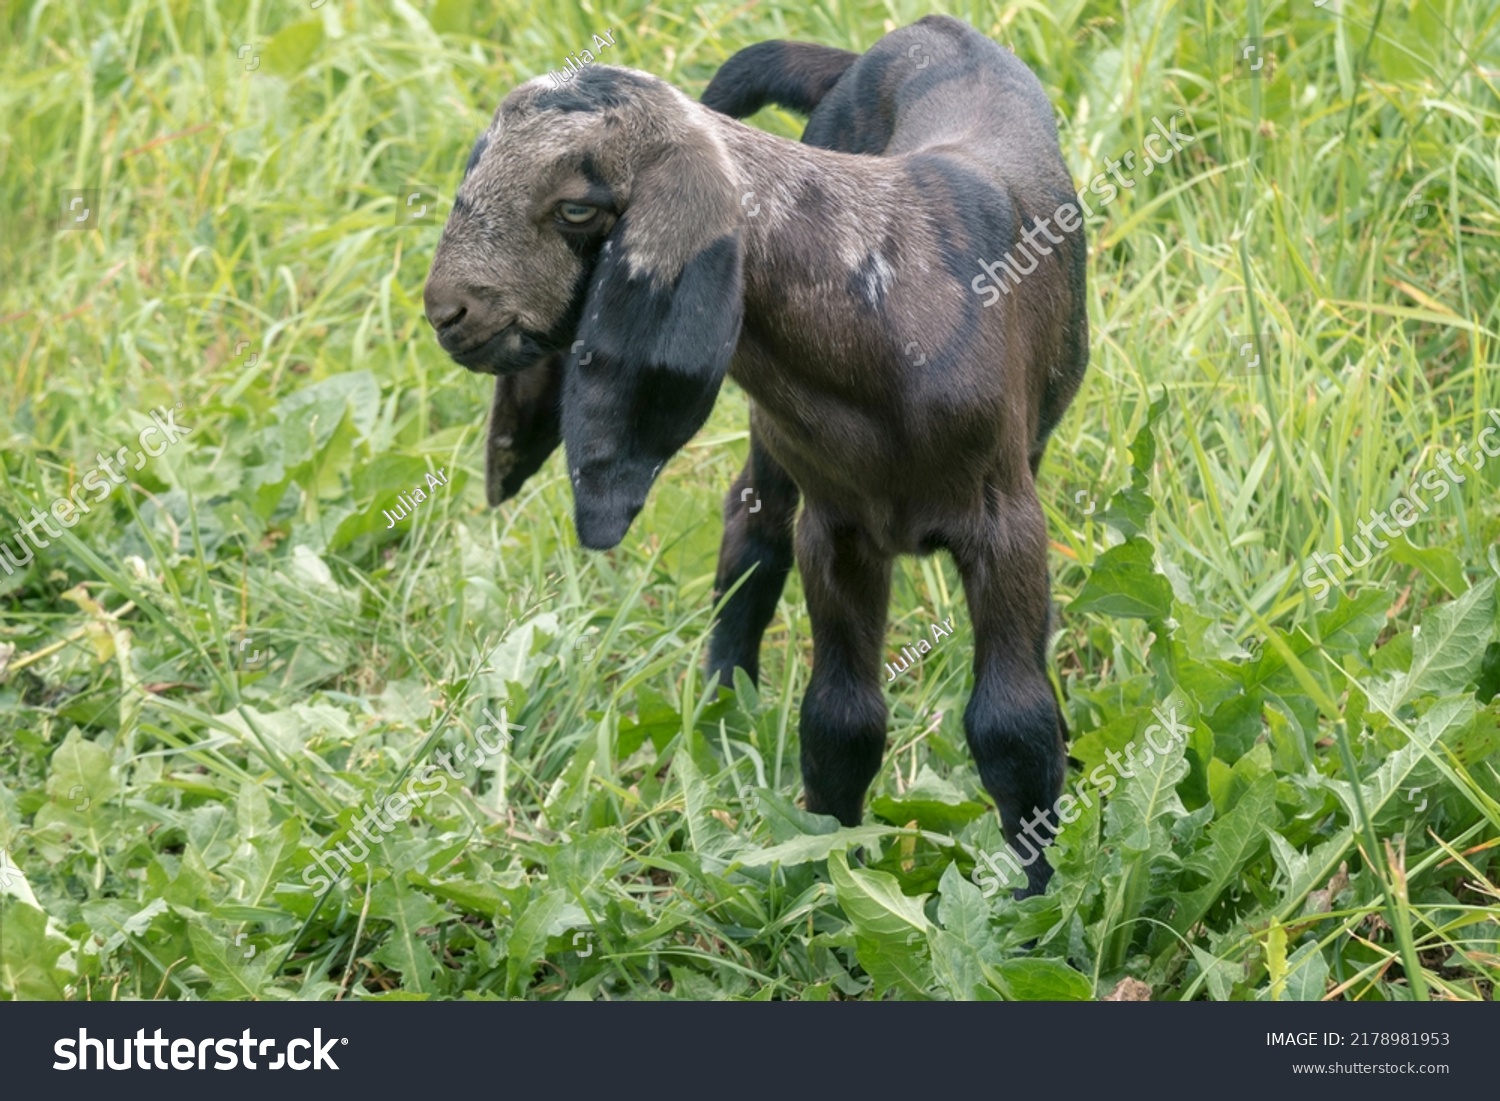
[[878, 279]]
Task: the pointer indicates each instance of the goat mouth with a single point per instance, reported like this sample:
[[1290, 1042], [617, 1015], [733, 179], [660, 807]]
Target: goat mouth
[[503, 352]]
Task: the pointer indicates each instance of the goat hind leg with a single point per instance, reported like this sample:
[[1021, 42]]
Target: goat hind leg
[[1013, 723]]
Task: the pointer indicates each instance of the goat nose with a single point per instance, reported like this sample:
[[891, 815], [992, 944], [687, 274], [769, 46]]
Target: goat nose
[[445, 306], [446, 314]]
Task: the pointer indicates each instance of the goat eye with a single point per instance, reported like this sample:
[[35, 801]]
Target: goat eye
[[576, 213]]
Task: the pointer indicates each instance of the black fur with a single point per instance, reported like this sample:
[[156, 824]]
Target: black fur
[[525, 427], [479, 147], [656, 357], [758, 521], [796, 75]]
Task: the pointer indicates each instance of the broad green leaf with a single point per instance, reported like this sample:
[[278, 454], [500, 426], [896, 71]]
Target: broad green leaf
[[1133, 818], [1438, 563], [1478, 740], [1081, 862], [35, 963], [1124, 584], [211, 832], [80, 780], [1232, 840], [709, 836], [1130, 508], [406, 950], [1489, 674], [1143, 446], [528, 941], [1447, 651], [80, 812], [482, 899], [964, 937], [810, 847], [1307, 974], [787, 821], [1351, 624], [895, 965], [932, 802], [291, 49], [956, 966], [1452, 715], [261, 863], [655, 717], [962, 909], [873, 901], [234, 977], [586, 861], [113, 920], [1306, 871], [1218, 975], [1039, 980], [889, 927]]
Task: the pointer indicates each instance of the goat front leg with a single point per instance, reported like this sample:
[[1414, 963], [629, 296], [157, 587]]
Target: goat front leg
[[759, 513], [1012, 721], [848, 585]]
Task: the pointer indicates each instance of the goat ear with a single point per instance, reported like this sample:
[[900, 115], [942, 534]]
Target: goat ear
[[796, 75], [525, 427], [660, 324]]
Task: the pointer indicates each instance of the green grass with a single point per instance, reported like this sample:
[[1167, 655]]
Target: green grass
[[1330, 827]]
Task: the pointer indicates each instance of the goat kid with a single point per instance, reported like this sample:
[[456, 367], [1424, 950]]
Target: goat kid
[[601, 260]]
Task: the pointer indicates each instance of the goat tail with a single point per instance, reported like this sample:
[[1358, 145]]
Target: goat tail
[[794, 75]]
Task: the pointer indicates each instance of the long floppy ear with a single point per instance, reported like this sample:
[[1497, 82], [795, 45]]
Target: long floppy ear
[[525, 427], [660, 324]]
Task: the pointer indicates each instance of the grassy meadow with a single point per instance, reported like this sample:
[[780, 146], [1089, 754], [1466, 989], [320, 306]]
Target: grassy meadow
[[211, 675]]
